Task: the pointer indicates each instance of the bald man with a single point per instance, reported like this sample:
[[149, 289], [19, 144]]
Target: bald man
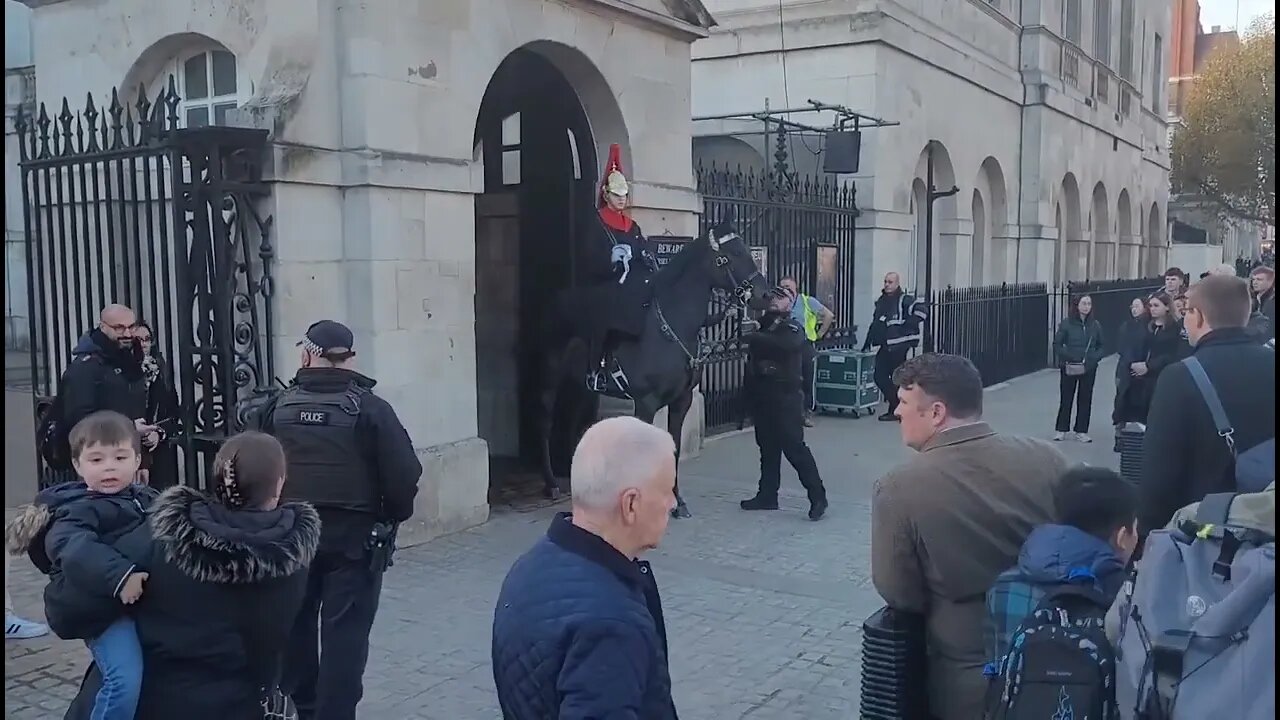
[[896, 329], [105, 374], [578, 631]]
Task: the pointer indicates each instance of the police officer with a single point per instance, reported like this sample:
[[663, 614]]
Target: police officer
[[350, 457], [776, 402]]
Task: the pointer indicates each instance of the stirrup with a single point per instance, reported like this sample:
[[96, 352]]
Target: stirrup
[[596, 381]]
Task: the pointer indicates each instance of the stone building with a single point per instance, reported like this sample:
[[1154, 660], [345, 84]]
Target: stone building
[[428, 163], [1201, 237], [1048, 115]]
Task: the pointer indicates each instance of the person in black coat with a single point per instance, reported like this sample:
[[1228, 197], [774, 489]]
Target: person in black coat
[[1165, 344], [1184, 457], [160, 463], [227, 576], [1078, 347], [1131, 349], [105, 372]]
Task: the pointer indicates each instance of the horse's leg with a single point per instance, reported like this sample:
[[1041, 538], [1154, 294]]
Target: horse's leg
[[552, 377], [676, 413]]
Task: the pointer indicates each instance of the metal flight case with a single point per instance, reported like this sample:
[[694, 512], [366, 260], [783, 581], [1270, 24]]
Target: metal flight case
[[844, 381]]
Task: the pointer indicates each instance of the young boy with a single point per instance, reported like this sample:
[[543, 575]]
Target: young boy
[[80, 534], [1091, 543]]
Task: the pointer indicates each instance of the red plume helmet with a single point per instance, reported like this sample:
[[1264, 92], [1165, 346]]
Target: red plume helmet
[[615, 183]]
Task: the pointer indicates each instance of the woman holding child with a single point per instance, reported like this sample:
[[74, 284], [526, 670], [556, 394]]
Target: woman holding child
[[212, 583]]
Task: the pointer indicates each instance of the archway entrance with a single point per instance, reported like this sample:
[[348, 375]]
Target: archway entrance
[[535, 143]]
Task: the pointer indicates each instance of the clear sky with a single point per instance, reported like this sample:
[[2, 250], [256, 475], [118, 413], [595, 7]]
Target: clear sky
[[1223, 12]]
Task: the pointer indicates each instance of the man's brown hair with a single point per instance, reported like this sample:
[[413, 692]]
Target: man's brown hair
[[949, 379], [1269, 272], [1222, 300], [104, 427]]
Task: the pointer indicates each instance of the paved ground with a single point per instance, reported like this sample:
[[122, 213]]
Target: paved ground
[[764, 610]]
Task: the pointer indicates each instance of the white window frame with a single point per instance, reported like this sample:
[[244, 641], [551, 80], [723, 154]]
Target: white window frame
[[244, 87]]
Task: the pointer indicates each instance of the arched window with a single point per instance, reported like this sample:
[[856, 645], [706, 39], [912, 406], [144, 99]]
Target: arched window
[[210, 84]]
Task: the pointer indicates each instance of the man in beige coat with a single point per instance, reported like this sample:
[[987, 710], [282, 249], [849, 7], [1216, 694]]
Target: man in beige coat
[[952, 518]]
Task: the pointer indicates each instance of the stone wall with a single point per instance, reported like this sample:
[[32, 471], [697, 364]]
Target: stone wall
[[989, 97], [372, 109]]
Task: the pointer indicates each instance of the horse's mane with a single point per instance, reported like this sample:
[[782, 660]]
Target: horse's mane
[[692, 252]]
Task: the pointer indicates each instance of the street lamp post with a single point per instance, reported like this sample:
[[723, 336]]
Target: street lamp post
[[933, 195]]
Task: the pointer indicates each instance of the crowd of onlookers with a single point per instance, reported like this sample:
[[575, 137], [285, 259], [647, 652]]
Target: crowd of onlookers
[[1151, 339], [1045, 589]]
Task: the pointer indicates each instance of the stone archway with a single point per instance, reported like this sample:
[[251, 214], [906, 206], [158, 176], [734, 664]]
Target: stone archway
[[1072, 245], [946, 238], [1103, 245], [1128, 257], [1155, 244], [991, 244], [537, 144]]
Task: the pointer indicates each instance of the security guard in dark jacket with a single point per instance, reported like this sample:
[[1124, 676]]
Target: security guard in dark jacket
[[895, 330], [776, 402], [351, 458]]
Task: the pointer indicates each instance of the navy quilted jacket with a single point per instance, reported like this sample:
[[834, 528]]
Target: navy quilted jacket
[[578, 633]]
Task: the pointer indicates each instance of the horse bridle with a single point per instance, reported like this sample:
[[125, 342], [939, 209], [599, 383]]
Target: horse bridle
[[741, 293]]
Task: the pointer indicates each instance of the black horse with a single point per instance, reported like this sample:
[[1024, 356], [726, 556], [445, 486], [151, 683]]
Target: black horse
[[661, 366]]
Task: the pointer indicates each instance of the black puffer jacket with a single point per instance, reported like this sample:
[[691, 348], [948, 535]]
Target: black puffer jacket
[[1131, 347], [1079, 340], [102, 376], [225, 587], [83, 540]]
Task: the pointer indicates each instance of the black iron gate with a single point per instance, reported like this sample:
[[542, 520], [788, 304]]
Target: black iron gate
[[122, 205], [797, 226]]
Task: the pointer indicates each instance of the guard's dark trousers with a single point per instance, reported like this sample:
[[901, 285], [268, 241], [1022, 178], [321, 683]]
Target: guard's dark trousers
[[329, 646], [779, 426], [888, 359], [808, 364]]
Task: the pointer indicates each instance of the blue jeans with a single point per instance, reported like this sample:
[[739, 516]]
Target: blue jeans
[[118, 656]]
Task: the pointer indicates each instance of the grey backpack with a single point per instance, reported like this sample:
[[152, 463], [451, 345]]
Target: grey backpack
[[1197, 628], [1254, 468]]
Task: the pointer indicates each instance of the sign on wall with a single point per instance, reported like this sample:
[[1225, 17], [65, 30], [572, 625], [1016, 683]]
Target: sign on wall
[[824, 287], [760, 254], [666, 246]]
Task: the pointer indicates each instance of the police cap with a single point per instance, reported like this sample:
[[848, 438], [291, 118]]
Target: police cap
[[329, 339]]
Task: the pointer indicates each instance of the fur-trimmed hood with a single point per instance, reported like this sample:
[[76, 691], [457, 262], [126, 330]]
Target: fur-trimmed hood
[[209, 542]]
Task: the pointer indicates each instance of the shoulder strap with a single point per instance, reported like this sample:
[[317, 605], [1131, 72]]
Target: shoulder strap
[[1210, 395], [1214, 509]]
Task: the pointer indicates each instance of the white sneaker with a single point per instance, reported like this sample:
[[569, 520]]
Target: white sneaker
[[1084, 438], [15, 628], [1059, 437]]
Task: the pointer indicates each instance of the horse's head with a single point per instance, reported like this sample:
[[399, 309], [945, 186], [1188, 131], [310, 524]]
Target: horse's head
[[733, 269]]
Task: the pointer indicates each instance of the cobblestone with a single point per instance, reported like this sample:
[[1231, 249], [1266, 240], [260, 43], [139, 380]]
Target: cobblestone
[[764, 610]]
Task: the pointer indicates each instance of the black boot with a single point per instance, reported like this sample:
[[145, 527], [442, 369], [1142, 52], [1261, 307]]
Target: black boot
[[759, 503], [888, 417], [817, 509]]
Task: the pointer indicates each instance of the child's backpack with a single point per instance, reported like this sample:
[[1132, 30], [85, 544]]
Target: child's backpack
[[1060, 665], [1197, 623]]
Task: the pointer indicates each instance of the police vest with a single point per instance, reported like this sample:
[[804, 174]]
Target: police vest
[[327, 467], [810, 319]]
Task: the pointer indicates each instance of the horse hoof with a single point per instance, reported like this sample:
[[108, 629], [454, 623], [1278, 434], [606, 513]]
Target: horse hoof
[[681, 511], [551, 493]]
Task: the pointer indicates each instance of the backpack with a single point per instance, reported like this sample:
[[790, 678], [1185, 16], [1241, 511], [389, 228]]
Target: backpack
[[1197, 629], [1255, 468], [51, 437], [1060, 664]]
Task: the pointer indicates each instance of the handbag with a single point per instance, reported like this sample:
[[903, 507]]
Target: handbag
[[1077, 369]]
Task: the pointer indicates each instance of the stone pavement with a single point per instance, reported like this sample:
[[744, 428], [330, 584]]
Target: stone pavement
[[764, 610]]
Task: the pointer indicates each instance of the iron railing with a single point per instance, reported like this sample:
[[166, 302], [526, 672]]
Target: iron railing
[[1007, 330], [123, 205], [797, 226]]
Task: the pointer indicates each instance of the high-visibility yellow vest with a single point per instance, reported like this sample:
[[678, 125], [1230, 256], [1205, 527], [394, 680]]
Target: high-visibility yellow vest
[[810, 319]]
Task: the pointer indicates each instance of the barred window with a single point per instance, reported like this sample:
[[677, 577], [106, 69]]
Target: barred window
[[1071, 21], [1126, 39], [1102, 31]]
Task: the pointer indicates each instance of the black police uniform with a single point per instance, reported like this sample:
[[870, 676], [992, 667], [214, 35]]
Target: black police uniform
[[350, 457], [776, 404]]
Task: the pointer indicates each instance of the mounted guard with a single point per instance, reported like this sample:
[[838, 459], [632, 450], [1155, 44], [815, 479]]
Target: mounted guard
[[619, 266]]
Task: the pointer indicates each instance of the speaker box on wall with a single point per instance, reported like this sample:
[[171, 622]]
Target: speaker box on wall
[[842, 151]]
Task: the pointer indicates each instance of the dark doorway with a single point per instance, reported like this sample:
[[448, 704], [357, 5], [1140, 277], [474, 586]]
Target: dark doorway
[[539, 179]]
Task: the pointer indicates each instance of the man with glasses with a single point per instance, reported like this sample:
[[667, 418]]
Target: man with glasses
[[105, 374]]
